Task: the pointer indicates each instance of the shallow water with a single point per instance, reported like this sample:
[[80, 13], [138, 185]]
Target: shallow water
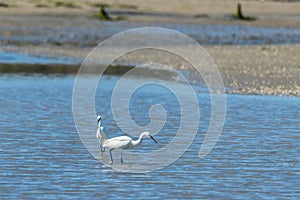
[[17, 58], [257, 155]]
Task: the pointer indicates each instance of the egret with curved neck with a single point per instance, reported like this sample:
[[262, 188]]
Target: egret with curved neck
[[121, 142], [101, 136], [124, 142]]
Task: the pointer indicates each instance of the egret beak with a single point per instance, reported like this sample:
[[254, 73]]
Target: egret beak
[[152, 138], [99, 120]]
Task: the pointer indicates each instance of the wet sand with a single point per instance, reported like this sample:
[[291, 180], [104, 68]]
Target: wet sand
[[28, 27], [268, 13]]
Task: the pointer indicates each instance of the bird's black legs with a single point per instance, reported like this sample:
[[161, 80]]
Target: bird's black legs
[[102, 149], [122, 156], [111, 158]]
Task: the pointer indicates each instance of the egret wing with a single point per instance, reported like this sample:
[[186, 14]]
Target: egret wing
[[121, 142]]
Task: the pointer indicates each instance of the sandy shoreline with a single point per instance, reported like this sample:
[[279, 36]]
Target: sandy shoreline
[[268, 13], [256, 69], [246, 69]]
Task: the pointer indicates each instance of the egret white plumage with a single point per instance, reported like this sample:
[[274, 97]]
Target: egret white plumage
[[101, 136], [121, 142], [124, 142]]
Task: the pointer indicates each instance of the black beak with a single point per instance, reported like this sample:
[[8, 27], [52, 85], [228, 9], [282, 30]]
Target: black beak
[[153, 138], [98, 120]]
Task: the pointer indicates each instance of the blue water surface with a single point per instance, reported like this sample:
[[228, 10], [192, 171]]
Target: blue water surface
[[18, 58], [41, 155]]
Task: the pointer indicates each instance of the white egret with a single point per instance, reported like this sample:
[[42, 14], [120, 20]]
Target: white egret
[[123, 142], [101, 136]]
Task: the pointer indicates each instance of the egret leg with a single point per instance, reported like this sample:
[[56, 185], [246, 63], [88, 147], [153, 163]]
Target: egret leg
[[111, 158], [102, 149], [122, 156]]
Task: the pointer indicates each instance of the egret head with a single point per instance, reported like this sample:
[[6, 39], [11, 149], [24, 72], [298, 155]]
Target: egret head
[[149, 136], [99, 120]]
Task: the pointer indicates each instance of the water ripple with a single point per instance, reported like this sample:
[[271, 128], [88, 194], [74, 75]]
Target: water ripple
[[41, 156]]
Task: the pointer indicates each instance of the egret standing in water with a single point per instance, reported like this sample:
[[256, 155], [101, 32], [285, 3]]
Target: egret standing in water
[[121, 142], [124, 142], [101, 136]]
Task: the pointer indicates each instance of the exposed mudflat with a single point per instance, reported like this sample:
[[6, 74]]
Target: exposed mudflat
[[257, 57]]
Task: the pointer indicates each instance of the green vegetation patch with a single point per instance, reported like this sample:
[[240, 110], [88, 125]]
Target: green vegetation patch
[[103, 15], [4, 5], [65, 4], [41, 6], [239, 14]]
